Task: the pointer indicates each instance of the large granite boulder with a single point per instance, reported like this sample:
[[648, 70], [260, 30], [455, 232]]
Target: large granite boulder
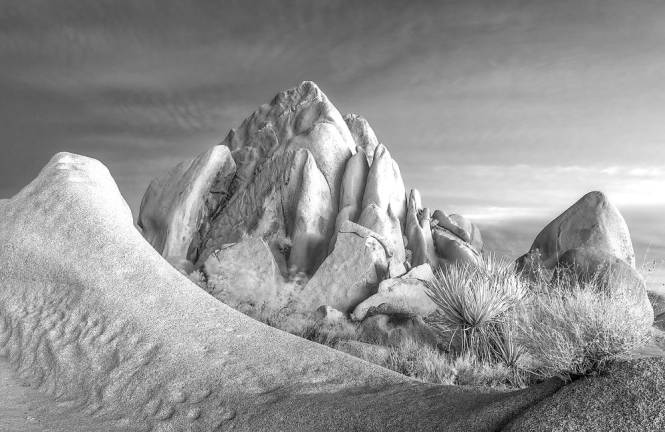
[[175, 205], [470, 230], [246, 273], [386, 224], [405, 295], [363, 135], [385, 187], [451, 249], [352, 272], [592, 222]]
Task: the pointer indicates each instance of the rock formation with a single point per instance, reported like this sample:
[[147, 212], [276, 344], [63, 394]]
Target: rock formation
[[419, 232], [245, 273], [92, 314], [296, 174], [352, 272], [175, 206], [352, 191], [363, 135], [451, 249]]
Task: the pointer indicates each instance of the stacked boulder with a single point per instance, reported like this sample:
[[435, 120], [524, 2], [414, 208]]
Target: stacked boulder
[[589, 242], [323, 195]]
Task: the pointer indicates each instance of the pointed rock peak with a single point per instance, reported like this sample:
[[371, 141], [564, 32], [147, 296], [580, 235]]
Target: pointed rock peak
[[381, 151], [291, 112], [415, 200], [307, 91], [594, 198], [79, 181]]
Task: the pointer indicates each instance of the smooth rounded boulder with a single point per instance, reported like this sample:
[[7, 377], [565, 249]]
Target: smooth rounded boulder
[[592, 222], [450, 249], [405, 295], [472, 232]]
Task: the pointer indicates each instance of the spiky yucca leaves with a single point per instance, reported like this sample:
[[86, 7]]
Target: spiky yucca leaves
[[475, 301], [575, 328]]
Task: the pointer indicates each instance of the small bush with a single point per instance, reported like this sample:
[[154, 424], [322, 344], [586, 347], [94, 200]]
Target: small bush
[[427, 364], [576, 329], [475, 301]]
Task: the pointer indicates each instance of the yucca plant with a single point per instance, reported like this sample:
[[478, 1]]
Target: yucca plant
[[474, 301]]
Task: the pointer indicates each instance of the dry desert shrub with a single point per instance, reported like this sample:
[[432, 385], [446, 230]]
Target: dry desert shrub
[[572, 329]]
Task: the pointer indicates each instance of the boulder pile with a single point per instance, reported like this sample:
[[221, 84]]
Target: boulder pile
[[322, 193]]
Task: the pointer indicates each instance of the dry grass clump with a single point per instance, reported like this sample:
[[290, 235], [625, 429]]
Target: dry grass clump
[[576, 328], [475, 302], [428, 364]]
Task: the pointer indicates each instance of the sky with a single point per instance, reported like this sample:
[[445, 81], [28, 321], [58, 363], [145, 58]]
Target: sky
[[504, 111]]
